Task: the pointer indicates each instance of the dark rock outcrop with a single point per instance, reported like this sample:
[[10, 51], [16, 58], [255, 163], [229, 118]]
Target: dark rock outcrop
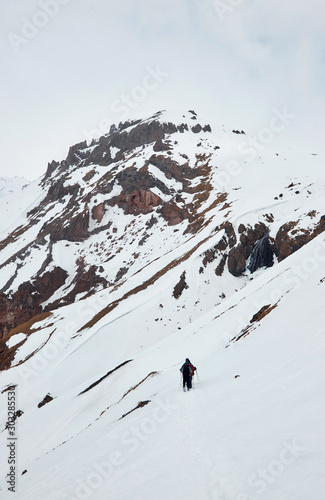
[[262, 254], [75, 153], [220, 250], [136, 201], [174, 170], [131, 178], [174, 214], [51, 168], [26, 301], [98, 212], [180, 287], [161, 146], [141, 134], [71, 229], [239, 254], [47, 399], [197, 128], [290, 237], [86, 281], [7, 315]]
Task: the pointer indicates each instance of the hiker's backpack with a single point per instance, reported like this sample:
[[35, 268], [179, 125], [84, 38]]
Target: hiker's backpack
[[188, 369], [192, 369]]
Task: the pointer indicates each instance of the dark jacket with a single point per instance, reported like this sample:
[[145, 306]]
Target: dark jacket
[[188, 369]]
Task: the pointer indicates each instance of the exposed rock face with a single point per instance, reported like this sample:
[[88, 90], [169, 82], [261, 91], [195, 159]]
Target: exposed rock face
[[17, 310], [98, 212], [7, 315], [197, 128], [26, 302], [47, 399], [239, 254], [161, 146], [174, 170], [6, 357], [173, 214], [220, 250], [137, 184], [131, 179], [139, 135], [57, 191], [43, 287], [180, 287], [290, 237], [220, 268], [262, 254], [50, 168], [136, 201], [75, 229], [85, 282]]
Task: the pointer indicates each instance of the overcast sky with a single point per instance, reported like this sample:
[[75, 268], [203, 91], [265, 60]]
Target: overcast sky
[[70, 68]]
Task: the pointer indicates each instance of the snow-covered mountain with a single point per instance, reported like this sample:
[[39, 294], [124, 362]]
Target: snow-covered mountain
[[166, 238]]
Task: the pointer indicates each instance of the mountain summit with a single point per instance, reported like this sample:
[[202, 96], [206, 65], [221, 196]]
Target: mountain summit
[[146, 190]]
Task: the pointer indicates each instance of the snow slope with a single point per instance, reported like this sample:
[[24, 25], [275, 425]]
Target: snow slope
[[256, 435]]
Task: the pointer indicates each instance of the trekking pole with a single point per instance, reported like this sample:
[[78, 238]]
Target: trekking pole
[[198, 378]]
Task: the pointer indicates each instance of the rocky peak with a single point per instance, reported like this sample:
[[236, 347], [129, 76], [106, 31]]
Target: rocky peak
[[146, 189]]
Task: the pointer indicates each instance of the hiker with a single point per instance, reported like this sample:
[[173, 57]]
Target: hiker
[[188, 371]]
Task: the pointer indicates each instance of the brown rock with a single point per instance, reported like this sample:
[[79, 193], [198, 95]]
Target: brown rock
[[286, 244], [26, 301], [173, 214], [7, 315], [71, 229], [85, 282], [240, 253], [161, 146], [180, 287], [48, 398], [98, 212], [220, 268], [136, 201], [237, 261]]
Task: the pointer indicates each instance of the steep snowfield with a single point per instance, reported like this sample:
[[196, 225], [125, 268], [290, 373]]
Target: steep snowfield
[[256, 435]]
